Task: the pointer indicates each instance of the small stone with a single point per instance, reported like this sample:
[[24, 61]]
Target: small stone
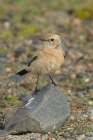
[[76, 21], [49, 133], [7, 24], [2, 59], [20, 50], [89, 138], [65, 135], [89, 133], [72, 117], [10, 58], [79, 133], [91, 112], [71, 133], [1, 125], [90, 91], [81, 137], [8, 69], [90, 102], [79, 94], [73, 76], [45, 137], [4, 54], [53, 139], [2, 132], [16, 78], [91, 118]]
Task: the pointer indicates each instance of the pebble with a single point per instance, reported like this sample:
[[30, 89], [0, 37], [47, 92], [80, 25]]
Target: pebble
[[44, 137], [91, 118], [81, 137], [73, 76], [60, 77], [53, 139], [4, 54], [89, 138], [91, 112], [2, 132], [65, 135], [90, 102], [2, 59], [1, 125], [20, 50], [89, 133], [79, 133], [7, 24], [80, 93], [72, 117], [90, 91], [16, 78]]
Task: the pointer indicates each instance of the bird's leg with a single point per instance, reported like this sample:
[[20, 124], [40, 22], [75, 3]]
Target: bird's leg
[[36, 89], [52, 81]]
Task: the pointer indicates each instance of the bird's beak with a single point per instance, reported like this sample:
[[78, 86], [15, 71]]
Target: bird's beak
[[41, 39]]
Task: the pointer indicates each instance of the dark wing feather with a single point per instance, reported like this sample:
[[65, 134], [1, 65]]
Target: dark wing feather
[[33, 59]]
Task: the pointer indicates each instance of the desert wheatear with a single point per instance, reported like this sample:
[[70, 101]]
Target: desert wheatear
[[46, 60]]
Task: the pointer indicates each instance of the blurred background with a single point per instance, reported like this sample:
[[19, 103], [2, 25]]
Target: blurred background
[[21, 23]]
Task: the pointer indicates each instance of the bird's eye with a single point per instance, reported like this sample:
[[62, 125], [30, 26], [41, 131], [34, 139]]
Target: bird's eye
[[52, 39]]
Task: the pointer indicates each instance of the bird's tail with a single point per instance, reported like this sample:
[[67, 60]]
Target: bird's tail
[[22, 72]]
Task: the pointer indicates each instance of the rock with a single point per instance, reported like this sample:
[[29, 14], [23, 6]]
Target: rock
[[16, 78], [45, 112], [1, 125], [81, 137], [60, 77], [20, 50], [2, 59], [4, 54], [2, 132], [79, 133], [64, 47], [2, 68], [62, 17], [89, 133], [89, 138]]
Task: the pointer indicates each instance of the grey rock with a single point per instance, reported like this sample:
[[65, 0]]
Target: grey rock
[[91, 112], [2, 68], [64, 47], [60, 77], [79, 133], [81, 137], [1, 125], [20, 50], [2, 132], [16, 78], [65, 135], [4, 54], [89, 138], [89, 134], [45, 112], [2, 59], [22, 97]]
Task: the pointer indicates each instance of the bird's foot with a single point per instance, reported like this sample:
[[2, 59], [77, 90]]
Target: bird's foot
[[54, 84], [36, 91]]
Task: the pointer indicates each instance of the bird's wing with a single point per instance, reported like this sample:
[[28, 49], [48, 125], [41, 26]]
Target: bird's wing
[[35, 57]]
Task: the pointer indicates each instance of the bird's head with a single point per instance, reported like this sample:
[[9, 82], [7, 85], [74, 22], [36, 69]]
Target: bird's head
[[51, 40]]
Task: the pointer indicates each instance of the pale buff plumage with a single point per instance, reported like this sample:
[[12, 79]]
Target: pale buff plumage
[[48, 59]]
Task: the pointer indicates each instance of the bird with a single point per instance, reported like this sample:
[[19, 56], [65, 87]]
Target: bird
[[47, 59]]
